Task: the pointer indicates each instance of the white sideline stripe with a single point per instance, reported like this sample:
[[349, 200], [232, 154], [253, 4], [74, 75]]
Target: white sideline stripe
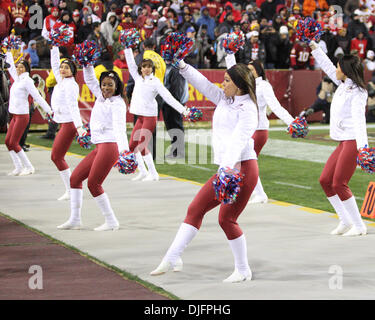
[[292, 185], [199, 167]]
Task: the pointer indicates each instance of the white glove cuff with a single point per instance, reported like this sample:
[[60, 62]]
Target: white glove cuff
[[182, 64]]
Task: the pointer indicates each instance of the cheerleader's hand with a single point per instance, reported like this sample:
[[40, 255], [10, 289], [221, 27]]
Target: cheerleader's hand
[[182, 64], [313, 45], [186, 112], [81, 132], [50, 116]]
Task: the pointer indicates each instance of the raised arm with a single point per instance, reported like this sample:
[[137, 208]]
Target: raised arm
[[33, 91], [230, 60], [55, 63], [201, 83], [91, 81], [12, 69], [324, 62], [274, 104], [132, 66], [245, 128], [167, 97], [72, 94], [119, 125], [358, 107]]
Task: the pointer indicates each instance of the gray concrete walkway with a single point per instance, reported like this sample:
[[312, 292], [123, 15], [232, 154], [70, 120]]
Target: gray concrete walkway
[[290, 251]]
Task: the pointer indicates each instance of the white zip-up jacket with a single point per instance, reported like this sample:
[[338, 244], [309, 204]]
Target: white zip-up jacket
[[348, 106], [143, 101], [108, 116], [64, 101], [234, 121], [22, 87], [265, 97]]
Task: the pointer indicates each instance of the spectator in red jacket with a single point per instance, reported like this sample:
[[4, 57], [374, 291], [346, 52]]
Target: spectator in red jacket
[[228, 8], [359, 43], [148, 29], [49, 22], [145, 13], [120, 62]]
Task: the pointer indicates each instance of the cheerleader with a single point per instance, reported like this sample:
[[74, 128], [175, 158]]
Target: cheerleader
[[265, 97], [235, 120], [348, 126], [64, 103], [108, 132], [144, 105], [22, 87]]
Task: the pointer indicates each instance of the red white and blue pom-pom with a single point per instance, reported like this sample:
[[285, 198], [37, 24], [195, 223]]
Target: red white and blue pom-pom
[[130, 38], [194, 114], [50, 117], [85, 141], [176, 47], [308, 30], [61, 36], [12, 42], [127, 163], [298, 128], [227, 185], [86, 53], [366, 159], [233, 41]]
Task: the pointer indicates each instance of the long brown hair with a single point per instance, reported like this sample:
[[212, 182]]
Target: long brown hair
[[243, 79]]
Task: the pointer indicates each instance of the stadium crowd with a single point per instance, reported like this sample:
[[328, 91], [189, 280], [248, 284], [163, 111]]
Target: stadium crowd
[[269, 26]]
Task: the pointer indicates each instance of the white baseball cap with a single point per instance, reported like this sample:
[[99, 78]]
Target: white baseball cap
[[254, 33], [283, 30], [370, 54]]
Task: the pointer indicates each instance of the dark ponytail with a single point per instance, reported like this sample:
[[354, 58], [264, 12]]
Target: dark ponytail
[[258, 66]]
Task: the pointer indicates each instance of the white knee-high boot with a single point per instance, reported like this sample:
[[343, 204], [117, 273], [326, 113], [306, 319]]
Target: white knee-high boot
[[258, 195], [172, 258], [345, 221], [111, 222], [29, 169], [359, 228], [65, 176], [242, 270], [18, 167], [141, 167], [74, 222], [152, 173]]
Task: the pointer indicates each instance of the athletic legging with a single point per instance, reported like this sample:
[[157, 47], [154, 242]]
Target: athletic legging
[[339, 169], [15, 131], [95, 167], [142, 134], [260, 138], [205, 200], [62, 143]]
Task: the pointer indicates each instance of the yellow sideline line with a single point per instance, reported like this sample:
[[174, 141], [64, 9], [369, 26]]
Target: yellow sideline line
[[275, 202]]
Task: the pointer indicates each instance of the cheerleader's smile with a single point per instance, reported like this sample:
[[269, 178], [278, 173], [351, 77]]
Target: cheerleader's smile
[[108, 87]]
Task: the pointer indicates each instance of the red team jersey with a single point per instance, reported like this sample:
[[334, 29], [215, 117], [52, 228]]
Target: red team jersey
[[360, 46], [301, 57]]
